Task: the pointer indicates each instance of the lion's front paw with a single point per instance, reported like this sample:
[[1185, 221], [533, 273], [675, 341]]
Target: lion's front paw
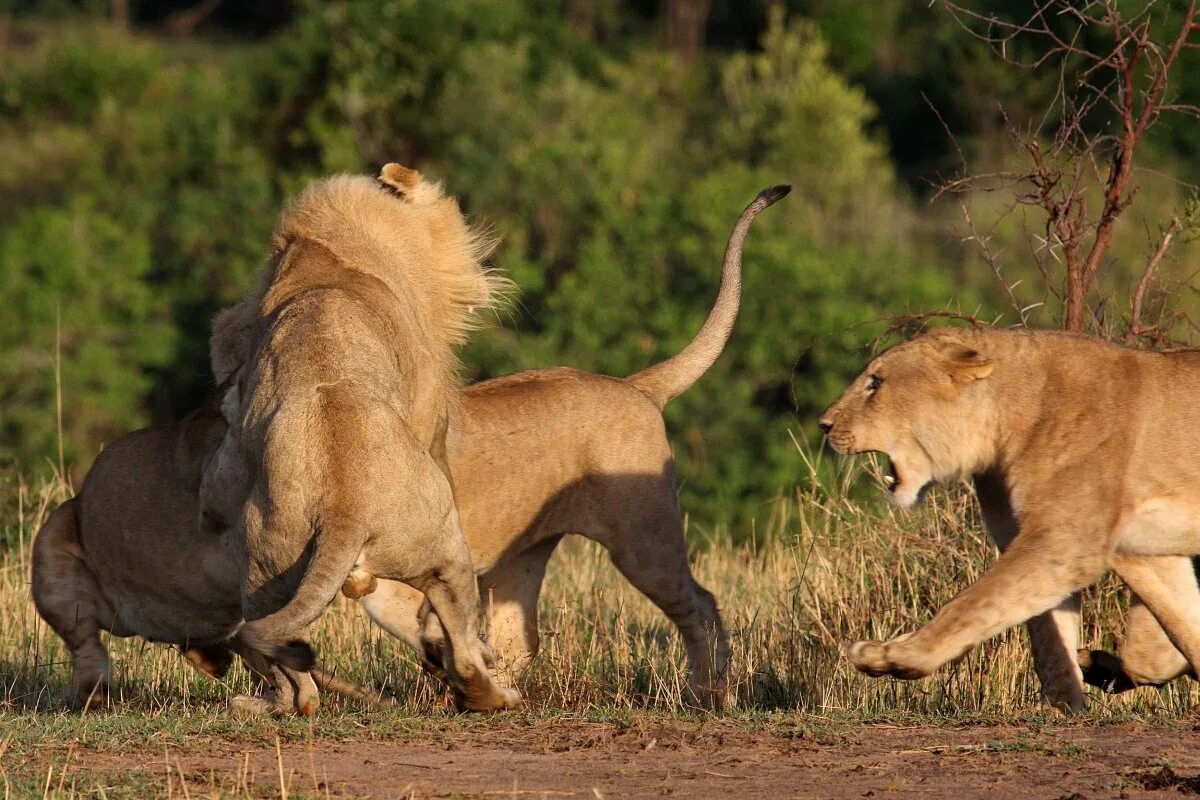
[[884, 658]]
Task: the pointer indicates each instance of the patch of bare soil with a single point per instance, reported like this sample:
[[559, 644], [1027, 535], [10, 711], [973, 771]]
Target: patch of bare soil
[[692, 759]]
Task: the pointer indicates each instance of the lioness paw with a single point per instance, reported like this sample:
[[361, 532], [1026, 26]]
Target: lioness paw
[[880, 658]]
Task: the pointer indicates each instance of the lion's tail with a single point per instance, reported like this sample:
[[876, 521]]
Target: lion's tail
[[275, 635], [672, 377], [327, 682]]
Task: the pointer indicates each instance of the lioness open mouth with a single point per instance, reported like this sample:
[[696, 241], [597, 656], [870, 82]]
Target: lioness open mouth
[[894, 480], [891, 480]]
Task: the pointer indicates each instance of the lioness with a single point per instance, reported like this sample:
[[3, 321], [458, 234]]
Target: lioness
[[540, 454], [339, 411], [126, 555], [1083, 457]]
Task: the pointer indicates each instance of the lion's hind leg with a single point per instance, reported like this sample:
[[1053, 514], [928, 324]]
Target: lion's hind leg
[[67, 596], [454, 596], [652, 555]]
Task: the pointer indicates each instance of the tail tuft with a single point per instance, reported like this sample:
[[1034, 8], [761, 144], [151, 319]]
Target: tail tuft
[[669, 378], [774, 193]]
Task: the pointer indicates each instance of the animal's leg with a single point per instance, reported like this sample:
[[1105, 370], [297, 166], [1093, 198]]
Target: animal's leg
[[1166, 585], [510, 595], [1053, 635], [393, 606], [433, 642], [1023, 582], [1146, 657], [279, 604], [453, 594], [68, 598], [279, 689], [651, 553]]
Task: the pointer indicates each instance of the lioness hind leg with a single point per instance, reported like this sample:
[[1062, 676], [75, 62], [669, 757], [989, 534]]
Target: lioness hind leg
[[1166, 587], [1145, 658], [66, 595], [649, 550]]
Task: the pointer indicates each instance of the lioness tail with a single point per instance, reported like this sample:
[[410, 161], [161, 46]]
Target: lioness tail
[[672, 377]]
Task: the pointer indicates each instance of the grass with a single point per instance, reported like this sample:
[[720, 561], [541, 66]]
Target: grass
[[829, 569]]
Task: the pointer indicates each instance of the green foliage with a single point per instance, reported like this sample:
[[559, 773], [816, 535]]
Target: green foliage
[[140, 178], [134, 208]]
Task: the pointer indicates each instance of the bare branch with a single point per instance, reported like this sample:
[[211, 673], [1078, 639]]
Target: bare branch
[[1135, 327]]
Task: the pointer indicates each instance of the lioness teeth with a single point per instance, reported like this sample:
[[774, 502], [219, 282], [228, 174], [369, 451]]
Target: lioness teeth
[[889, 479]]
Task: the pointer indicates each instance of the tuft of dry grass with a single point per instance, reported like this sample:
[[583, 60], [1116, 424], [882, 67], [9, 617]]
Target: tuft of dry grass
[[831, 567]]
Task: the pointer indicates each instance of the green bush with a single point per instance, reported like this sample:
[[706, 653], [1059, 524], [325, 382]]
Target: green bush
[[611, 172]]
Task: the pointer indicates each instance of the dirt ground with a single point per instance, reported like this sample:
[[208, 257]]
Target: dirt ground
[[687, 759]]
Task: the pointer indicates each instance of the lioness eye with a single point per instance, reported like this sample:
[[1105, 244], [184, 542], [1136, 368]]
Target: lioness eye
[[873, 383]]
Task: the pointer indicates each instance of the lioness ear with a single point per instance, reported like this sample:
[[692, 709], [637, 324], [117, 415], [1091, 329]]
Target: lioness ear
[[399, 179], [966, 365]]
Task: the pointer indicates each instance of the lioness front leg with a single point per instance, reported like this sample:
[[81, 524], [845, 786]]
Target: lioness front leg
[[510, 595], [1031, 577], [1053, 635]]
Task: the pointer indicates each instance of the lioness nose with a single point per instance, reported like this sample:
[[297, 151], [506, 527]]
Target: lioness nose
[[825, 424]]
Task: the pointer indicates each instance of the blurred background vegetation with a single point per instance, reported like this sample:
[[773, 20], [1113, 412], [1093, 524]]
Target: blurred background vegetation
[[146, 147]]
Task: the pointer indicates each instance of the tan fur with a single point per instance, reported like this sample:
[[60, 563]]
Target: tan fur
[[569, 432], [125, 556], [541, 454], [1084, 456], [1146, 657], [339, 410]]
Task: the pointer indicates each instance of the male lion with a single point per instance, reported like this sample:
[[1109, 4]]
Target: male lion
[[126, 555], [339, 411], [1083, 457], [540, 454]]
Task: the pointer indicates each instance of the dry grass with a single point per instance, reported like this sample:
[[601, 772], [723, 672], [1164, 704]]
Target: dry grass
[[830, 569]]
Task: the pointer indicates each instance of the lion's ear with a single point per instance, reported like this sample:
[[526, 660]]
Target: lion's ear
[[399, 179], [966, 365]]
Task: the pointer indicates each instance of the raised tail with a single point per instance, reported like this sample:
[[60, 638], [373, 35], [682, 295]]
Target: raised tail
[[670, 378], [275, 635]]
